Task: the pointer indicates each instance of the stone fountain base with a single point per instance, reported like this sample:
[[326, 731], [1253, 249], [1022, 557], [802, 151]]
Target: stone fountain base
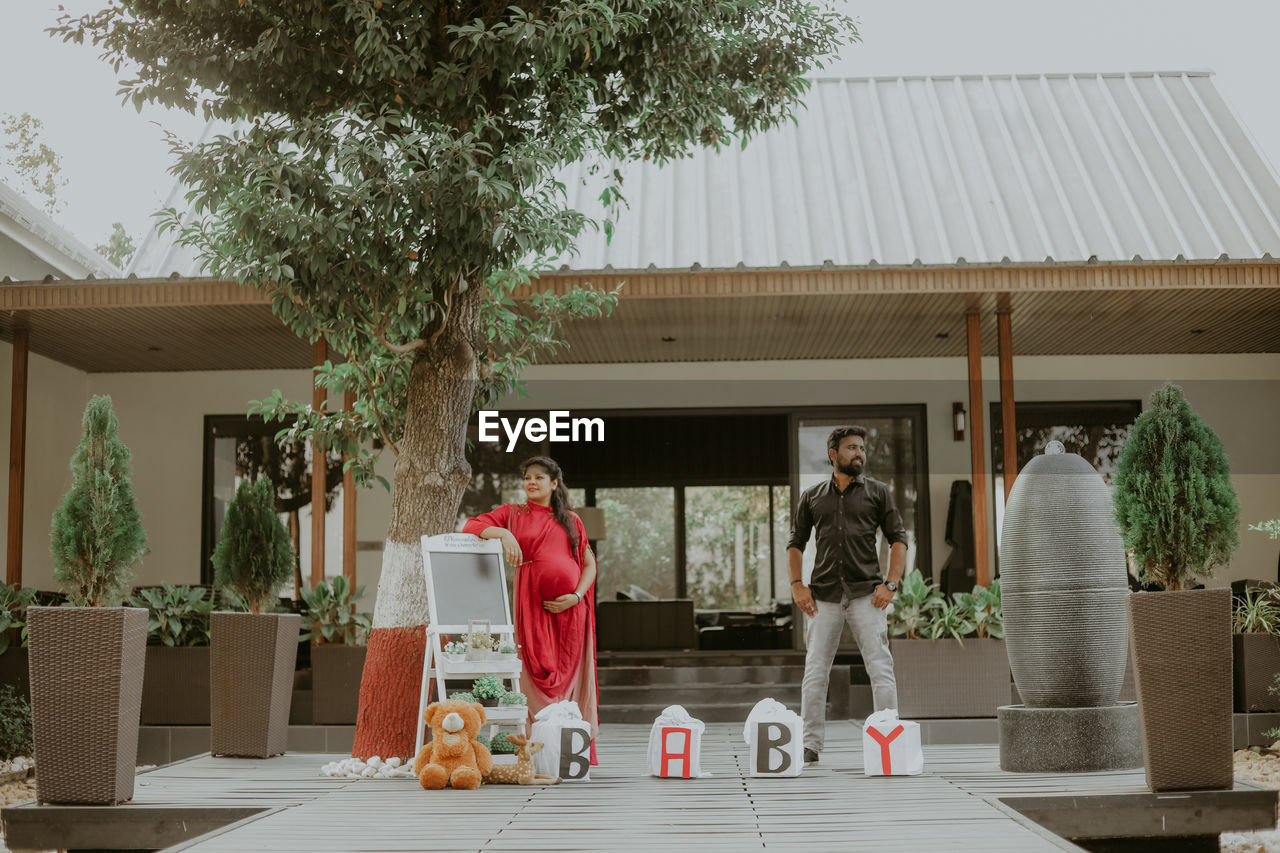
[[1069, 740]]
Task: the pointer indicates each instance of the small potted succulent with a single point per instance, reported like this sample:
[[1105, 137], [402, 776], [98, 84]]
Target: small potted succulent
[[455, 651], [506, 654], [488, 690], [480, 646], [513, 697], [463, 696], [500, 744]]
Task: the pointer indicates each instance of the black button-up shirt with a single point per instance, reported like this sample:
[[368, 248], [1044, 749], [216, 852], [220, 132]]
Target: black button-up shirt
[[847, 563]]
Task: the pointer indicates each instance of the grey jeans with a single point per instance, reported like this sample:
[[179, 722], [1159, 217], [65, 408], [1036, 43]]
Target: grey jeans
[[822, 634]]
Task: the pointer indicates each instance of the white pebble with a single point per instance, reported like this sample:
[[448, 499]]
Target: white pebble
[[393, 762]]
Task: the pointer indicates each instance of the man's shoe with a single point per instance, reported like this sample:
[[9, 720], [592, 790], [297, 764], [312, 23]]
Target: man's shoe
[[810, 757]]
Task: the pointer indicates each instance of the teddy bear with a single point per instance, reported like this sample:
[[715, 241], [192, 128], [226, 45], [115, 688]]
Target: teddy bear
[[452, 756]]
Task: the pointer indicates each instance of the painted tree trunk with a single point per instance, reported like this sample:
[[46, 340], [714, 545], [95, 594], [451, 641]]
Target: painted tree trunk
[[431, 474]]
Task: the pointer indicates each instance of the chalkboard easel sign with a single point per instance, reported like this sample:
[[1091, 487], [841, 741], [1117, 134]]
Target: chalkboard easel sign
[[466, 580]]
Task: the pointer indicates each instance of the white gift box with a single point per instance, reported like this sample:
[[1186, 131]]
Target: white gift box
[[566, 742], [775, 736], [891, 747], [675, 745]]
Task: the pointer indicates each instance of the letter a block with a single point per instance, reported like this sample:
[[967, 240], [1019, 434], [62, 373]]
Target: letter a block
[[679, 752], [776, 747], [575, 754]]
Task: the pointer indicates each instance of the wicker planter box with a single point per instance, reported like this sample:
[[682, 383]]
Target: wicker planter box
[[176, 689], [335, 683], [1255, 661], [942, 678], [13, 671], [252, 658], [86, 698], [1182, 662]]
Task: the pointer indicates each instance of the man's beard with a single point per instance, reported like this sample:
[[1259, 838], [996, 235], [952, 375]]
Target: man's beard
[[850, 469]]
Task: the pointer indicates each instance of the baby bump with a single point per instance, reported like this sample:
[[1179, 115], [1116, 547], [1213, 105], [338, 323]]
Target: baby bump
[[554, 578]]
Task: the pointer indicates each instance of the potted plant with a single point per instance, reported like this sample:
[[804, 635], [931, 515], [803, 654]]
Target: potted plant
[[175, 690], [455, 651], [513, 697], [1177, 512], [944, 663], [506, 654], [500, 744], [252, 654], [480, 646], [488, 690], [338, 635], [1255, 650], [463, 695], [86, 660], [14, 601]]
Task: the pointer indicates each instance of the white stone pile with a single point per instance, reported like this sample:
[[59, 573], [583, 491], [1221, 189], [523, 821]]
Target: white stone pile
[[374, 768], [16, 769]]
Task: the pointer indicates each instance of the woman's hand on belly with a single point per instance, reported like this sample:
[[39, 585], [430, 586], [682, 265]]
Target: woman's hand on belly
[[559, 605]]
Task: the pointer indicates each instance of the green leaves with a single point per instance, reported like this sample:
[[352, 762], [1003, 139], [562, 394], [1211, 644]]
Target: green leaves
[[254, 557], [921, 611], [177, 615], [14, 602], [330, 616], [1175, 504]]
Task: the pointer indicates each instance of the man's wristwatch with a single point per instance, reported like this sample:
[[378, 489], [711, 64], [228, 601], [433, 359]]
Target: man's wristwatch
[[891, 586]]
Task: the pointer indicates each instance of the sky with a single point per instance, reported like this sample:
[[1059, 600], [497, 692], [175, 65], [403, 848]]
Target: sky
[[115, 159]]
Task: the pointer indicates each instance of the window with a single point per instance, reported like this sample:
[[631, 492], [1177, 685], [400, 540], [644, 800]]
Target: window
[[638, 555], [238, 447], [735, 545]]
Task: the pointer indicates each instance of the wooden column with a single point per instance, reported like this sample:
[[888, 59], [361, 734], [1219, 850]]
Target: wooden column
[[348, 506], [977, 454], [319, 398], [17, 455], [1008, 415]]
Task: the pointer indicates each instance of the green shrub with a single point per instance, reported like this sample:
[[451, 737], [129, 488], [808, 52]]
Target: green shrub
[[330, 615], [14, 601], [97, 535], [15, 724], [488, 687], [1256, 612], [500, 744], [176, 615], [1175, 505], [512, 697], [254, 557], [983, 608], [913, 606], [950, 620], [463, 695]]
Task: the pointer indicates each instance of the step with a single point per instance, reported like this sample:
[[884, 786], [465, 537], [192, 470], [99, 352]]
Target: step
[[726, 713], [640, 675], [698, 694], [767, 657]]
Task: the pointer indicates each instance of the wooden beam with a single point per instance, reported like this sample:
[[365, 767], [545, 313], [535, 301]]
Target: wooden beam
[[17, 456], [977, 454], [1008, 415], [348, 506], [319, 398]]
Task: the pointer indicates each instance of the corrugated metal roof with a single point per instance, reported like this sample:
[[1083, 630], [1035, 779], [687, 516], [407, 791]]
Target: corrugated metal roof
[[29, 227], [1015, 169], [946, 170]]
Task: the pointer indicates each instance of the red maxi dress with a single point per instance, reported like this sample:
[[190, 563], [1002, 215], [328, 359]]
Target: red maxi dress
[[558, 650]]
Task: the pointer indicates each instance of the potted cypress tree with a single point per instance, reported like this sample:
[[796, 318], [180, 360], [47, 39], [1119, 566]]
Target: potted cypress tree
[[252, 655], [87, 660], [1177, 512]]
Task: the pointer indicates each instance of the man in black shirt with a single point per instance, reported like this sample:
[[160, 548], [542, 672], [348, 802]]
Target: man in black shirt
[[846, 585]]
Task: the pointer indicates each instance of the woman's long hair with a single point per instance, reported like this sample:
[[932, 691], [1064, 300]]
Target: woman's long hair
[[560, 505]]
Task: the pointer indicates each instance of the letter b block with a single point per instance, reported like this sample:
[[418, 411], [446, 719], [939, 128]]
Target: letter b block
[[575, 755], [775, 749]]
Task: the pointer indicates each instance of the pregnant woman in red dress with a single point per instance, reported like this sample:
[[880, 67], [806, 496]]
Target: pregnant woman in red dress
[[555, 585]]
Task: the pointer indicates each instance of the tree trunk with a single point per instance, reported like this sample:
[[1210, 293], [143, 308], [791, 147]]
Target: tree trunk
[[431, 474]]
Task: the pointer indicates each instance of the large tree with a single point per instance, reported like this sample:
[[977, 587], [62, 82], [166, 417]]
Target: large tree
[[390, 182]]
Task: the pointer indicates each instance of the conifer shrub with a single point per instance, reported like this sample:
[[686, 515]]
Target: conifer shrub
[[254, 557], [1175, 505], [97, 534]]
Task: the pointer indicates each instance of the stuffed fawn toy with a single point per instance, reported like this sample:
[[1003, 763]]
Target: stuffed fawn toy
[[520, 773]]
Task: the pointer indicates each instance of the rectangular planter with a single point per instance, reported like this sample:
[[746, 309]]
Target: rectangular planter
[[86, 698], [1255, 660], [251, 666], [1181, 644], [335, 683], [13, 671], [943, 678], [176, 689]]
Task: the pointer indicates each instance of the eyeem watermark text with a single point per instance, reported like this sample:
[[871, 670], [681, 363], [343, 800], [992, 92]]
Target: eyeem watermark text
[[559, 426]]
